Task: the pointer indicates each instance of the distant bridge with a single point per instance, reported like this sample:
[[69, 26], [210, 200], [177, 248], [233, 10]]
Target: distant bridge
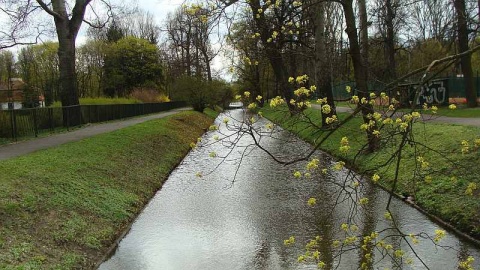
[[235, 105]]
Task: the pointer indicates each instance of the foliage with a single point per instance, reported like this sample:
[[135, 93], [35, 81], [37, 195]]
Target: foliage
[[78, 196], [146, 95], [200, 94], [38, 67], [131, 62]]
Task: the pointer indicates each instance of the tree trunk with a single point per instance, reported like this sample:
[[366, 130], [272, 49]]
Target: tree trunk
[[390, 42], [465, 61], [360, 73], [322, 63], [362, 6]]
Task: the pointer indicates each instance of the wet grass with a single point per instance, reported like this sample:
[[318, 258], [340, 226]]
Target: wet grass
[[62, 208], [451, 171]]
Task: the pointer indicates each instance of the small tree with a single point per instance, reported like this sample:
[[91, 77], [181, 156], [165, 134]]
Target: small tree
[[129, 63]]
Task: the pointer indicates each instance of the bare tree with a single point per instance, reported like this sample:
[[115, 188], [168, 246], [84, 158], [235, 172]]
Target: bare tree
[[68, 20]]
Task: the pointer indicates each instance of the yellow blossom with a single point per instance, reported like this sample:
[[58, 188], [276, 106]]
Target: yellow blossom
[[470, 188], [313, 164], [339, 165], [246, 94], [252, 106], [439, 234], [363, 201], [355, 99], [312, 201], [348, 88], [387, 215], [291, 79], [297, 174], [213, 154], [326, 109], [375, 178], [289, 241], [452, 106]]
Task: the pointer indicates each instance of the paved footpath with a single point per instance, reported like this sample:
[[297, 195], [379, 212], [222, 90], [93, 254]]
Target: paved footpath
[[26, 147], [429, 118]]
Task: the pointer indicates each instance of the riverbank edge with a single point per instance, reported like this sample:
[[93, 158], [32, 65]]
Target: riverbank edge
[[124, 231], [434, 218], [193, 125]]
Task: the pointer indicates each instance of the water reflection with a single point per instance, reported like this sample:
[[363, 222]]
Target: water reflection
[[214, 223]]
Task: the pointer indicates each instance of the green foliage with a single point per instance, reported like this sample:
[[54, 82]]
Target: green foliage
[[62, 208], [201, 94], [131, 62], [38, 67]]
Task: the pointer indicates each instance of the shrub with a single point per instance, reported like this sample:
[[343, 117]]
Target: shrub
[[201, 94]]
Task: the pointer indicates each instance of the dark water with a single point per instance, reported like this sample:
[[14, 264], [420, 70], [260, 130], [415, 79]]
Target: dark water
[[238, 214]]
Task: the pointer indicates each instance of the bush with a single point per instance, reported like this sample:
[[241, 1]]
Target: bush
[[148, 95], [201, 94]]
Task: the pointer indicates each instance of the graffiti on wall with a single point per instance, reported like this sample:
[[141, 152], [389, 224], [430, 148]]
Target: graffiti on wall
[[435, 92]]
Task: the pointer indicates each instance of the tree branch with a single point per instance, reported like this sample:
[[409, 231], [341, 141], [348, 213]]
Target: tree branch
[[49, 11]]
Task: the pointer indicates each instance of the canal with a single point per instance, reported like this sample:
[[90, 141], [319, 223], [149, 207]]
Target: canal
[[228, 205]]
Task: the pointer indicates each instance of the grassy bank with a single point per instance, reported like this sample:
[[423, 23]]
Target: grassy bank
[[451, 171], [63, 207]]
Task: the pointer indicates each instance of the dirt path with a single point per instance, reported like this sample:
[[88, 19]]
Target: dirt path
[[26, 147]]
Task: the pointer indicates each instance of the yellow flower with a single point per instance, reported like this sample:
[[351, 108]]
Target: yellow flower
[[470, 188], [237, 97], [355, 99], [330, 120], [198, 174], [439, 234], [225, 120], [434, 109], [246, 94], [339, 165], [269, 126], [452, 106], [252, 106], [289, 241], [297, 174], [375, 178], [372, 95], [259, 98], [467, 264], [326, 109], [213, 154], [363, 201], [348, 88], [216, 138], [312, 201], [399, 253], [387, 215], [313, 164], [291, 79]]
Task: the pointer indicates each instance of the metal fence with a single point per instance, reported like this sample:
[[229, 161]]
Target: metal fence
[[15, 124], [455, 87]]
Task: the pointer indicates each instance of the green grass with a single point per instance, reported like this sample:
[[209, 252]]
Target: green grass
[[461, 111], [211, 113], [61, 208], [102, 101], [443, 196]]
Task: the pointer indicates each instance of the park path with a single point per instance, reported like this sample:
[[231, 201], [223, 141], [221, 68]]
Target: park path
[[430, 118], [29, 146]]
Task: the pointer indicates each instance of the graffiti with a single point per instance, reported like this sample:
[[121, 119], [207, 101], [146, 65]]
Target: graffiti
[[433, 93]]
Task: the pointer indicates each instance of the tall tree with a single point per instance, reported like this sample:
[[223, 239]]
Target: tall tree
[[465, 61]]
